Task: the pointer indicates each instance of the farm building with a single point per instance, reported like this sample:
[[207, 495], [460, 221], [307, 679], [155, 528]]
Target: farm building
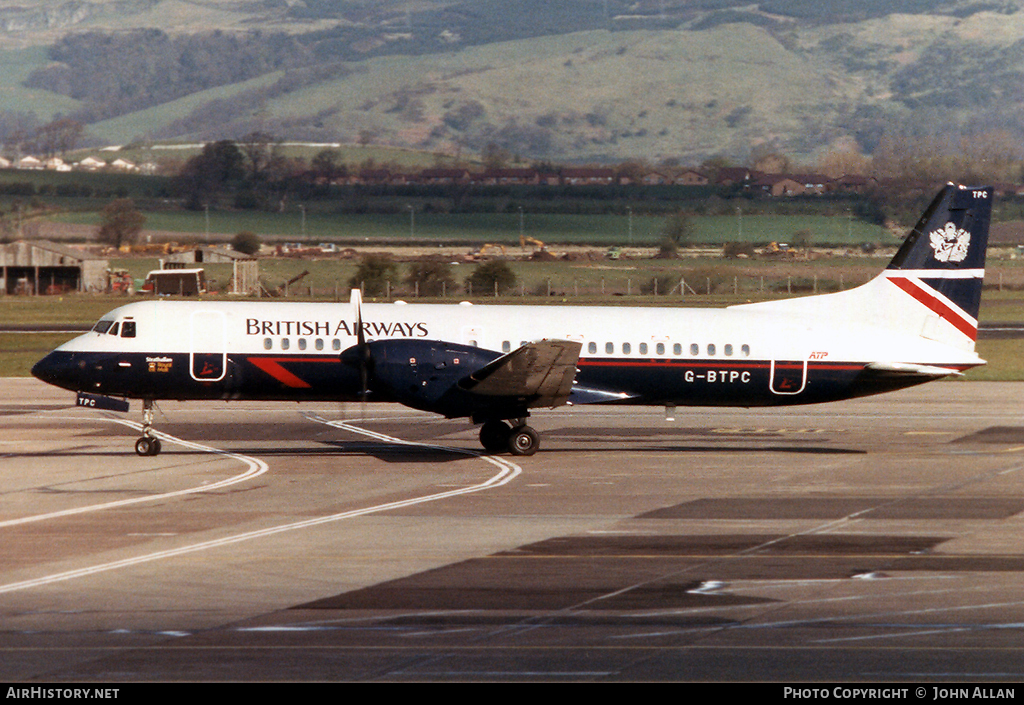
[[245, 273], [43, 267], [179, 282]]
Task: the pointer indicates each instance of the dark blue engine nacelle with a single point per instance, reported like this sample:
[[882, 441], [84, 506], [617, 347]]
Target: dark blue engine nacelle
[[422, 374]]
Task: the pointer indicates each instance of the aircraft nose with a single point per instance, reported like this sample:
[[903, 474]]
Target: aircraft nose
[[60, 369]]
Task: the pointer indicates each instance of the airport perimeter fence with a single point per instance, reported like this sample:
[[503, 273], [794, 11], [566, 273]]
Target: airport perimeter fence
[[661, 287]]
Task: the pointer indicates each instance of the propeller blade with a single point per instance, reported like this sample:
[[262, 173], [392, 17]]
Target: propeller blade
[[362, 349]]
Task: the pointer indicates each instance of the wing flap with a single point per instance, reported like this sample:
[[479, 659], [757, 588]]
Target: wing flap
[[543, 370]]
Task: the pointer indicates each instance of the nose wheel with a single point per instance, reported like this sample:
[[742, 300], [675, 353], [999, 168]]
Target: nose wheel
[[148, 444]]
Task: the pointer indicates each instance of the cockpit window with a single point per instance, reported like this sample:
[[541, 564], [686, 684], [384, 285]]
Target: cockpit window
[[113, 329], [103, 325], [128, 329]]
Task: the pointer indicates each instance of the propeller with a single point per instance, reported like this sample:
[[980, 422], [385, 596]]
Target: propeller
[[362, 349]]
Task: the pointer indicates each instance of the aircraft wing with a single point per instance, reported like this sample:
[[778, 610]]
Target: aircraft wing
[[544, 371]]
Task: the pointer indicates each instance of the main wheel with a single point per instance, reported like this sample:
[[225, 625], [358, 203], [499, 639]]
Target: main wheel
[[523, 440], [494, 436]]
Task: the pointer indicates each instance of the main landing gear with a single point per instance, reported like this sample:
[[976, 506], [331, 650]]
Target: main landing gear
[[148, 444], [518, 439]]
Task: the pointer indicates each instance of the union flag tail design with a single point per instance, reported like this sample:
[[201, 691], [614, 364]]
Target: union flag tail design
[[931, 288], [942, 262]]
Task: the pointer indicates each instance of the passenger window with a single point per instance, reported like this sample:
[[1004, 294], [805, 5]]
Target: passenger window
[[728, 349], [319, 343], [694, 349], [285, 343], [677, 349], [609, 348], [660, 348], [711, 349], [592, 348], [302, 343], [745, 350], [128, 329], [506, 346], [626, 348], [268, 344], [643, 348], [336, 344]]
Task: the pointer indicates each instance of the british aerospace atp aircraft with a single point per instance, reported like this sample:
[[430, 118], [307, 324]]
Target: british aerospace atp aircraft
[[916, 321]]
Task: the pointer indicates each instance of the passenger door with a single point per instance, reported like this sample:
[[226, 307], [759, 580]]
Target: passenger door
[[208, 346]]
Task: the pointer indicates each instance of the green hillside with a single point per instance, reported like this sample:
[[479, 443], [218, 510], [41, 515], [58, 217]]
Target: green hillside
[[586, 80]]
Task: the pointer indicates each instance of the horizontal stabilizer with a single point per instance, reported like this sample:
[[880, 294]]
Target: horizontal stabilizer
[[543, 370], [592, 395], [906, 368]]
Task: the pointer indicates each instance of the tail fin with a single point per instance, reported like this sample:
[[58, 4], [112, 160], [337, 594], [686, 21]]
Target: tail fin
[[942, 261], [932, 287]]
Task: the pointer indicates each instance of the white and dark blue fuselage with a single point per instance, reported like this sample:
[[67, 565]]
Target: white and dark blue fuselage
[[657, 356], [915, 322]]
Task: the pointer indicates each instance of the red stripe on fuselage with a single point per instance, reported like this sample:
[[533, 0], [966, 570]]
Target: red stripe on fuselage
[[272, 366], [952, 316]]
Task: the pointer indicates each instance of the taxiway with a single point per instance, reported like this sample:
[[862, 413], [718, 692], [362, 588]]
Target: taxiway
[[879, 540]]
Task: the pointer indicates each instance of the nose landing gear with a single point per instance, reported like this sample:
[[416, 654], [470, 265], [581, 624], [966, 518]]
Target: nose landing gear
[[148, 444]]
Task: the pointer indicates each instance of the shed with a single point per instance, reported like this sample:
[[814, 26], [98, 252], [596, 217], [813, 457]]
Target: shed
[[204, 255], [245, 268], [44, 267], [179, 282]]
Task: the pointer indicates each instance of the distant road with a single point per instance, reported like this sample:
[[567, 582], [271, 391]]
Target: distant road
[[44, 327], [989, 331]]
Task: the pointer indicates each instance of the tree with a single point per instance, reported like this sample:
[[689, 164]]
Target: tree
[[327, 165], [121, 223], [491, 277], [374, 275], [246, 242], [495, 156], [678, 230], [59, 137], [431, 278], [205, 175], [262, 154]]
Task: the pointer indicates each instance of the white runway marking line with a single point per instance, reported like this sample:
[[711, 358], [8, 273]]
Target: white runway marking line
[[256, 468], [508, 472]]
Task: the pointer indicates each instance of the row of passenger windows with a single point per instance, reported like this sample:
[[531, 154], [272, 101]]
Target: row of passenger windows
[[642, 349], [728, 350], [711, 349], [302, 344]]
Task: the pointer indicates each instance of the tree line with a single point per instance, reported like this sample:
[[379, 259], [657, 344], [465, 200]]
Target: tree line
[[119, 73]]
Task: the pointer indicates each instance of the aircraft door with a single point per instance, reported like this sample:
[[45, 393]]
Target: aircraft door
[[208, 346], [788, 376]]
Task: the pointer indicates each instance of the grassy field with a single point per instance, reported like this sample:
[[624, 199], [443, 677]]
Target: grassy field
[[500, 228]]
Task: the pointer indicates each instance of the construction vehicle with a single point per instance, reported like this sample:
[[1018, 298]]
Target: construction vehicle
[[283, 289], [777, 250], [525, 240], [486, 250]]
